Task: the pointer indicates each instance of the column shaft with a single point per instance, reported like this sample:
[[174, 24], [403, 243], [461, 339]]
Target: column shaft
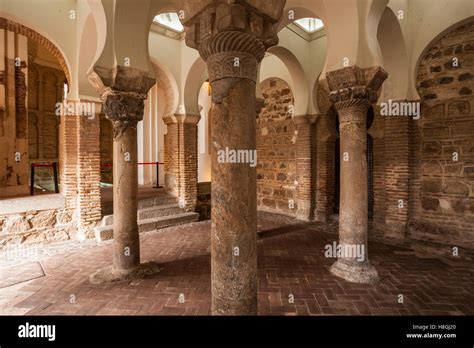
[[353, 179], [232, 37], [126, 237], [353, 263], [234, 205]]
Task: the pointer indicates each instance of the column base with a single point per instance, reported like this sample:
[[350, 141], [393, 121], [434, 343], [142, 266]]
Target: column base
[[355, 273], [111, 275]]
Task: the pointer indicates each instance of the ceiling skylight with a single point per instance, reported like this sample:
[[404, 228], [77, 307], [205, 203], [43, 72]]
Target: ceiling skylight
[[170, 20], [310, 24]]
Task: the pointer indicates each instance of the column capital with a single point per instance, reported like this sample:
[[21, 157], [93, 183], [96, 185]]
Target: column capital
[[231, 37], [123, 109], [354, 87]]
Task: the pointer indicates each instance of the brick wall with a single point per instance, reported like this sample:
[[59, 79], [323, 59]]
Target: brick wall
[[326, 166], [396, 178], [181, 170], [88, 173], [443, 185], [106, 149], [276, 150]]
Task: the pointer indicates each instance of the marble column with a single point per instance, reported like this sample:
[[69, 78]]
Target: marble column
[[353, 90], [232, 38]]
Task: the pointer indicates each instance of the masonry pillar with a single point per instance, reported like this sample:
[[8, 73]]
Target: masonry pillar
[[182, 163], [125, 109], [304, 168], [353, 90], [232, 38]]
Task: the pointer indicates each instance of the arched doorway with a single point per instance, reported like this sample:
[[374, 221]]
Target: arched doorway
[[34, 77]]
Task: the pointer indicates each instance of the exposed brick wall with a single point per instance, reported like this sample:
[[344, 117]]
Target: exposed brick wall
[[326, 166], [106, 149], [445, 210], [68, 158], [305, 167], [181, 167], [397, 175], [377, 131], [276, 150], [188, 166], [88, 173], [171, 166]]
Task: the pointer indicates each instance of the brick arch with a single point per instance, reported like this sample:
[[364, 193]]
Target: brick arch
[[40, 39], [166, 81]]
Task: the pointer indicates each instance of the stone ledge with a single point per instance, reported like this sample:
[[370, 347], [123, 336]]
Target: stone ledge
[[17, 205]]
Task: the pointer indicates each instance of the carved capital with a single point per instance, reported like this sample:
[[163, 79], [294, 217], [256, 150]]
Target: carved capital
[[123, 109], [355, 88], [232, 64], [235, 28], [231, 36]]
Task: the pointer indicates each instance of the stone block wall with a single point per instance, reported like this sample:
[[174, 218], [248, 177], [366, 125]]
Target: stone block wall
[[34, 228], [443, 161], [276, 150]]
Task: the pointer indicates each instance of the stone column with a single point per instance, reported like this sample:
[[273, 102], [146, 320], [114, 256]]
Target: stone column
[[353, 90], [125, 110], [232, 38]]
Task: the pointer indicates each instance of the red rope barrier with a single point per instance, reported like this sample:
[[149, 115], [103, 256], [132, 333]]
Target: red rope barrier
[[144, 163]]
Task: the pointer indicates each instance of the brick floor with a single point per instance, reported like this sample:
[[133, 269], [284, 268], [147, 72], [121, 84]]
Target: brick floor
[[291, 264]]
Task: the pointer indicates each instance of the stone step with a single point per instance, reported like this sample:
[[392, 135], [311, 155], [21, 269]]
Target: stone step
[[160, 211], [103, 233], [160, 200], [149, 213]]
